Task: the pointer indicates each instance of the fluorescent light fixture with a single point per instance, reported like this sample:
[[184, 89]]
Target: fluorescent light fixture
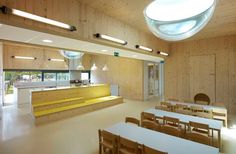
[[109, 38], [47, 41], [162, 53], [143, 48], [53, 59], [6, 10], [105, 68], [94, 67], [23, 57]]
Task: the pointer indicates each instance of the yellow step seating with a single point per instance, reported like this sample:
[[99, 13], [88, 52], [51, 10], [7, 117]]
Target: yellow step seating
[[55, 104], [58, 103], [73, 106]]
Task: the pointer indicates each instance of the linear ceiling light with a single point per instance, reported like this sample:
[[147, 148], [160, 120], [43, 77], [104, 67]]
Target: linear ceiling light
[[143, 48], [109, 38], [6, 10], [22, 57], [53, 59], [162, 53]]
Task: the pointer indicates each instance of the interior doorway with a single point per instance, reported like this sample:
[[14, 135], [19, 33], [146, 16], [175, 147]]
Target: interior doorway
[[151, 80]]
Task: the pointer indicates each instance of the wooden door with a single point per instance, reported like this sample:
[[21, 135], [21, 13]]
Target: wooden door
[[202, 76]]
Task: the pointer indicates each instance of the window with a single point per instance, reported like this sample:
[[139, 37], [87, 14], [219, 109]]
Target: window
[[49, 76], [20, 76], [63, 76], [85, 75]]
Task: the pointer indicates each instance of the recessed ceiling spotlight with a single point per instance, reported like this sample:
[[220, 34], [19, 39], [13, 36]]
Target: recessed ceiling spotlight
[[104, 50], [47, 41]]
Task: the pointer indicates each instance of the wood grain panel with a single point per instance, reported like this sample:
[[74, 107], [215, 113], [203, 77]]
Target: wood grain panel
[[87, 20], [177, 71], [202, 76], [42, 55], [125, 72]]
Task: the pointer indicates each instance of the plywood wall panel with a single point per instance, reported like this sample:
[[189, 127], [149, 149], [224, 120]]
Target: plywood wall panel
[[42, 55], [87, 20], [125, 72], [177, 77]]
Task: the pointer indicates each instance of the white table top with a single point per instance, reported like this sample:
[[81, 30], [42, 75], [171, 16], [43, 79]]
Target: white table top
[[160, 141], [206, 107], [214, 124]]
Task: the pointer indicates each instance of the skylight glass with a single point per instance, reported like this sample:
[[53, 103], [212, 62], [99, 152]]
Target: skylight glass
[[175, 20]]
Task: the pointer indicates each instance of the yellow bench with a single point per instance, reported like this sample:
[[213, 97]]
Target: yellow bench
[[74, 106], [54, 104]]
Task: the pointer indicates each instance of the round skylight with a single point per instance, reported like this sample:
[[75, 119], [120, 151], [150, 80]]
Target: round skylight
[[175, 20], [71, 54]]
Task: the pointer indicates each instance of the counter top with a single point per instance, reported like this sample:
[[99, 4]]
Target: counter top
[[65, 87]]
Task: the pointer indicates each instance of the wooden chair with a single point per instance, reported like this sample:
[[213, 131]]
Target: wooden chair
[[199, 128], [132, 120], [151, 125], [202, 99], [196, 109], [107, 142], [147, 117], [183, 111], [205, 114], [166, 106], [171, 126], [199, 138], [219, 114], [148, 150], [199, 133], [126, 146]]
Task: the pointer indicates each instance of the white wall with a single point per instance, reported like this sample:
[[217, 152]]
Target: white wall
[[1, 79]]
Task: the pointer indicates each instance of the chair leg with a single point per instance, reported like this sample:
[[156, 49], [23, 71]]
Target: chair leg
[[100, 149]]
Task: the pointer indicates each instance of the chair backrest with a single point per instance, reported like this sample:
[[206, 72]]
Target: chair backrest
[[195, 108], [183, 111], [107, 137], [205, 114], [132, 120], [202, 98], [127, 146], [199, 138], [148, 150], [199, 128], [147, 116], [174, 122], [181, 106], [151, 125], [170, 130], [218, 112]]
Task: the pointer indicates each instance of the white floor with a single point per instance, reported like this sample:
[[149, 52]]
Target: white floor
[[75, 135]]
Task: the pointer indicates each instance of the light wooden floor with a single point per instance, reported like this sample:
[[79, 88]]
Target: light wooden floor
[[75, 135]]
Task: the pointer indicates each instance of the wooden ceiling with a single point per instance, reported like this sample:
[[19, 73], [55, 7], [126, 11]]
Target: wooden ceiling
[[131, 12]]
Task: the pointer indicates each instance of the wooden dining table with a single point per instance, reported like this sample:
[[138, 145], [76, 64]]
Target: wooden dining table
[[160, 141], [214, 125]]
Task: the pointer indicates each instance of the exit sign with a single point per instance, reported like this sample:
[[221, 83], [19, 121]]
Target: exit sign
[[116, 54]]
